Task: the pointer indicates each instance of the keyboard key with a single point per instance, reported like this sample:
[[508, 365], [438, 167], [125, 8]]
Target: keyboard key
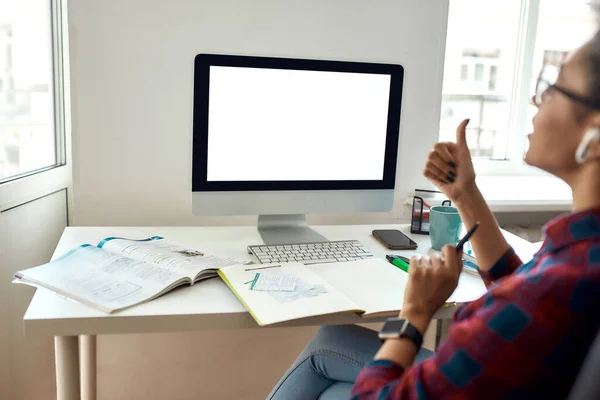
[[325, 261]]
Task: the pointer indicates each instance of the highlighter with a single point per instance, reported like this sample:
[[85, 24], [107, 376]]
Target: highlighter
[[398, 262]]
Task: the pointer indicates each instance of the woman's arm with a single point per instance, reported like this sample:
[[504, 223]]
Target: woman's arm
[[403, 351], [430, 282], [450, 168], [488, 242]]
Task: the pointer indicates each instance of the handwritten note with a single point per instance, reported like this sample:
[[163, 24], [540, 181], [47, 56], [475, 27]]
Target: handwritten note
[[273, 282]]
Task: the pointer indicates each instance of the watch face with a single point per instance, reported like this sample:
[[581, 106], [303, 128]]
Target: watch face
[[393, 327], [400, 328]]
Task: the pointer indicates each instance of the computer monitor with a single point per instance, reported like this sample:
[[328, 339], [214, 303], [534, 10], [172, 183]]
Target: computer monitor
[[281, 137]]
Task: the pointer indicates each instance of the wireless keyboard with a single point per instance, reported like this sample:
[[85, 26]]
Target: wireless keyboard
[[311, 253]]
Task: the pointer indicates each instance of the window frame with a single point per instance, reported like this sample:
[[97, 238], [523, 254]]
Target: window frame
[[520, 98], [58, 81], [18, 189], [55, 38]]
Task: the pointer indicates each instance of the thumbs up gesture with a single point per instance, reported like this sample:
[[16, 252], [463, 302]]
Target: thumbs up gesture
[[450, 168]]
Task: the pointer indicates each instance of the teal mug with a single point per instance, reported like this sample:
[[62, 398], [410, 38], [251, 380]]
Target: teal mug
[[444, 226]]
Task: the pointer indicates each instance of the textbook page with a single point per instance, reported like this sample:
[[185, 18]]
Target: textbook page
[[378, 287], [375, 285], [470, 288], [101, 279], [166, 254], [311, 295]]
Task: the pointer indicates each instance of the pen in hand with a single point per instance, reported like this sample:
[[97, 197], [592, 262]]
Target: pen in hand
[[466, 238], [403, 263]]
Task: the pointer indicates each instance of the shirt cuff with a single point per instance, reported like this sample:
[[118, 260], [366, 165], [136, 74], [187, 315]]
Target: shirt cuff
[[385, 364], [376, 375], [505, 266]]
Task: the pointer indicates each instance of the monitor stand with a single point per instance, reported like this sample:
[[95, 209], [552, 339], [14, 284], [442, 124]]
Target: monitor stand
[[287, 229]]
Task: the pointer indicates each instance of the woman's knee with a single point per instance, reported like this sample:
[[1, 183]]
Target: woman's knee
[[343, 336]]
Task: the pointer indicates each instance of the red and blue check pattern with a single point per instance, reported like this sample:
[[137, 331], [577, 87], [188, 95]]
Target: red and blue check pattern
[[525, 339]]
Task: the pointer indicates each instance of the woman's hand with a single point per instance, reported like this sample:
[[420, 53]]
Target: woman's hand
[[450, 168], [430, 282]]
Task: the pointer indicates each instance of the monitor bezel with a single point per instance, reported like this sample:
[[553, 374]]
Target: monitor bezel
[[202, 64]]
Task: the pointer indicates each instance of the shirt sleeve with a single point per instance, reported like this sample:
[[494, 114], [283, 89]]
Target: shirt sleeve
[[503, 342], [506, 265]]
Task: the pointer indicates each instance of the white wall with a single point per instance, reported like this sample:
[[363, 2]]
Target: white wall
[[28, 236], [131, 63]]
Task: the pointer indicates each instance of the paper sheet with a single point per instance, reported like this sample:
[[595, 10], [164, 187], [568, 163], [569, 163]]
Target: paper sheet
[[312, 295], [375, 285]]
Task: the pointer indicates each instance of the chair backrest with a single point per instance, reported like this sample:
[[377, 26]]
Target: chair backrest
[[587, 384]]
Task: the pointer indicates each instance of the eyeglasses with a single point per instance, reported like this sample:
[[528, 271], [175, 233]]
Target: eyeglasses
[[547, 82]]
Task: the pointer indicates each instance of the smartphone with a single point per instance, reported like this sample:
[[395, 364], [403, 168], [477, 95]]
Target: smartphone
[[394, 239]]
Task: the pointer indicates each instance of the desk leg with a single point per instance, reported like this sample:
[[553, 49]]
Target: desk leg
[[88, 366], [66, 349], [439, 327], [442, 327]]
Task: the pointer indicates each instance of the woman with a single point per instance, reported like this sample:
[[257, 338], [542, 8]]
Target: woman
[[527, 337]]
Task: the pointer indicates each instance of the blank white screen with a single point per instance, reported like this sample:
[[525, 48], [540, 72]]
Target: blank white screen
[[293, 125]]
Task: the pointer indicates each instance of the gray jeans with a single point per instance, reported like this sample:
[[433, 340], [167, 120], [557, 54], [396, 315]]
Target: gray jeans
[[327, 368]]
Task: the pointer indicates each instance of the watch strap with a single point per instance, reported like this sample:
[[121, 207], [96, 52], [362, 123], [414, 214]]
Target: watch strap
[[413, 334], [407, 330]]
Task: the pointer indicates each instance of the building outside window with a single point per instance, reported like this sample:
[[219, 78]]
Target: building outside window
[[28, 110], [494, 53]]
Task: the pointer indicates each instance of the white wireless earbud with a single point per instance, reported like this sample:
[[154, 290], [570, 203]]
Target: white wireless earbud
[[582, 150]]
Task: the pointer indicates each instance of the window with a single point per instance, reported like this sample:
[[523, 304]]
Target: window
[[493, 78], [464, 72], [483, 36], [478, 72], [563, 26], [28, 122], [494, 52]]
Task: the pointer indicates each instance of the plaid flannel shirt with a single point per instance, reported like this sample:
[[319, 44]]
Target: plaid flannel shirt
[[526, 338]]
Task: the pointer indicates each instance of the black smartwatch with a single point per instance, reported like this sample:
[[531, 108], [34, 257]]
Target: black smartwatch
[[395, 328]]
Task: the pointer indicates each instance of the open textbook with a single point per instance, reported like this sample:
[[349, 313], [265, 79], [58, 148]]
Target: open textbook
[[274, 293], [119, 273]]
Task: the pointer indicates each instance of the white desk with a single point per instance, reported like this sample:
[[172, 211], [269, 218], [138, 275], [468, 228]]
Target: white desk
[[204, 306]]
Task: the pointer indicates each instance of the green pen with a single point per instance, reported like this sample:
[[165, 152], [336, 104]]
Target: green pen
[[398, 262]]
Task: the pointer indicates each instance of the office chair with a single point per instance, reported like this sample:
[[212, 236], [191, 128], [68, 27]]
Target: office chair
[[587, 384]]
